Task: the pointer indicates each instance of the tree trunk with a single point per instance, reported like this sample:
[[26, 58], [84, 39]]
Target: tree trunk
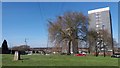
[[89, 50], [75, 46], [104, 50], [17, 55], [69, 44], [96, 48]]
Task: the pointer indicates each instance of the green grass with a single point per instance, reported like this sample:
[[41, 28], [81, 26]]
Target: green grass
[[59, 60]]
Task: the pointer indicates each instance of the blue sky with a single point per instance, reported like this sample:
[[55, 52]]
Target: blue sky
[[0, 22], [28, 20]]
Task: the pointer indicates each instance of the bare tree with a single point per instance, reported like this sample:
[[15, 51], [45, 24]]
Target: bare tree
[[91, 37], [105, 41], [72, 26]]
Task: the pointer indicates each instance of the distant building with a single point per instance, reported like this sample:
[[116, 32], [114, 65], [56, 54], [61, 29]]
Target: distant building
[[100, 19]]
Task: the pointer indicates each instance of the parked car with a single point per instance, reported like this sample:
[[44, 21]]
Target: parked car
[[80, 54], [116, 55]]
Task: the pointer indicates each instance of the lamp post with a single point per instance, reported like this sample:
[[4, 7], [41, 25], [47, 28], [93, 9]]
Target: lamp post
[[103, 27]]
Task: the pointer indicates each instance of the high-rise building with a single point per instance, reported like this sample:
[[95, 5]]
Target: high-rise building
[[100, 19]]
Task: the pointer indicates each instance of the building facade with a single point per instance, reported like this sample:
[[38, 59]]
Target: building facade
[[100, 19]]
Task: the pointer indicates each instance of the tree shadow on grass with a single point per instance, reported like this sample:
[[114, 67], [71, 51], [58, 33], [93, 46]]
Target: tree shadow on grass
[[24, 58]]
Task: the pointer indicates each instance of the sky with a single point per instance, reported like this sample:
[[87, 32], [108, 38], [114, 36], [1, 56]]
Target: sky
[[29, 20], [0, 23]]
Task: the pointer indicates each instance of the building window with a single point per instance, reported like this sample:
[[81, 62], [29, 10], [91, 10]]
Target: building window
[[98, 19], [97, 25], [98, 32], [98, 16], [101, 35]]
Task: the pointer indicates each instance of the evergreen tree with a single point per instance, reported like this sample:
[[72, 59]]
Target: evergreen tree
[[5, 47]]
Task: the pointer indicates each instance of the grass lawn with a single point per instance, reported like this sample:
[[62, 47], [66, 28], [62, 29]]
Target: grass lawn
[[59, 60]]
